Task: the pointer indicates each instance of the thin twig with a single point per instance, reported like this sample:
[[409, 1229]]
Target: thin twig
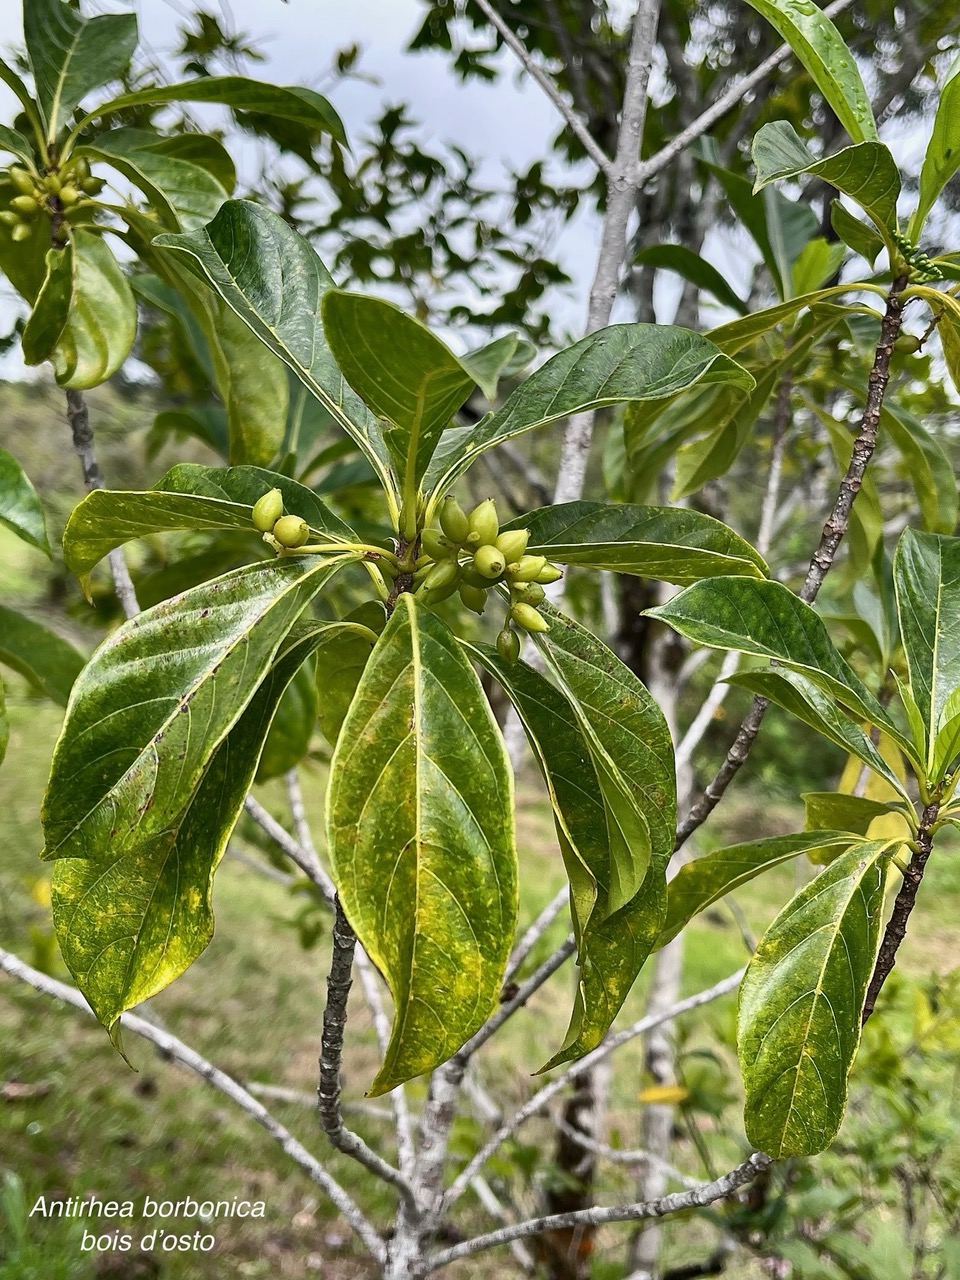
[[536, 931], [548, 1091], [517, 1001], [694, 1198], [536, 73], [339, 981], [170, 1047], [616, 1156], [822, 559], [305, 859], [484, 1193]]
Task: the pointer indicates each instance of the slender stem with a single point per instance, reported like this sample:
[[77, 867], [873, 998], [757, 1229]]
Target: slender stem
[[170, 1047], [339, 981], [822, 559], [697, 1197], [903, 905], [536, 931], [305, 859]]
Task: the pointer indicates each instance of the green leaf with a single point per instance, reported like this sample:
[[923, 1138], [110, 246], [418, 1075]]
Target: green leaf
[[841, 812], [133, 919], [158, 697], [926, 570], [342, 654], [50, 313], [820, 48], [820, 261], [737, 334], [611, 949], [16, 144], [207, 423], [294, 103], [400, 370], [928, 468], [4, 724], [502, 358], [817, 709], [671, 543], [943, 150], [189, 496], [185, 194], [704, 881], [200, 149], [867, 172], [20, 508], [292, 729], [801, 1003], [71, 56], [48, 662], [626, 362], [857, 235], [102, 320], [271, 278], [767, 620], [421, 839], [690, 265], [947, 742]]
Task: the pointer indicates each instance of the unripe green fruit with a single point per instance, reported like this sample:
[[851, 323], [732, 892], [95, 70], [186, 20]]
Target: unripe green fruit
[[489, 562], [549, 573], [268, 510], [513, 544], [454, 521], [20, 233], [474, 579], [92, 186], [473, 598], [908, 344], [436, 545], [22, 180], [508, 645], [291, 531], [81, 169], [484, 523], [445, 573], [69, 195], [434, 595], [27, 206], [423, 561], [9, 218], [52, 183], [526, 568], [528, 593], [526, 616]]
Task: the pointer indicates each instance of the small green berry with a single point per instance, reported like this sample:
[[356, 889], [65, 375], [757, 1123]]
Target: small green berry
[[454, 521], [69, 195], [526, 568], [436, 545], [22, 180], [445, 573], [92, 186], [484, 523], [508, 645], [513, 544], [528, 593], [549, 573], [81, 169], [52, 183], [26, 206], [526, 616], [9, 218], [291, 532], [474, 579], [20, 233], [473, 598], [489, 562], [268, 510], [907, 344]]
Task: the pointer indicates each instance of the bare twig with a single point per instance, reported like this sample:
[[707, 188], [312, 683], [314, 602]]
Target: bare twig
[[339, 982], [305, 859], [617, 1156], [705, 1193], [484, 1193], [170, 1047], [517, 1001], [543, 1095], [536, 72], [536, 931]]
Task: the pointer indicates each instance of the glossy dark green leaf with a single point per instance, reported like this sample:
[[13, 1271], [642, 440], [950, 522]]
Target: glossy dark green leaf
[[48, 318], [821, 49], [502, 358], [926, 570], [802, 698], [400, 370], [857, 235], [928, 468], [737, 334], [342, 654], [102, 321], [20, 508], [841, 812], [158, 697], [943, 150], [292, 728], [705, 880], [611, 948], [624, 363], [690, 265], [767, 620], [16, 144], [273, 280], [671, 543], [421, 839], [134, 918], [200, 149], [867, 172], [186, 195], [189, 496], [71, 56], [293, 102], [47, 661], [700, 461], [801, 1003]]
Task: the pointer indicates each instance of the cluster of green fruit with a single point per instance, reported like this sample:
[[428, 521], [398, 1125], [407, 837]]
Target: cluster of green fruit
[[469, 554], [56, 193], [922, 269], [288, 532]]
